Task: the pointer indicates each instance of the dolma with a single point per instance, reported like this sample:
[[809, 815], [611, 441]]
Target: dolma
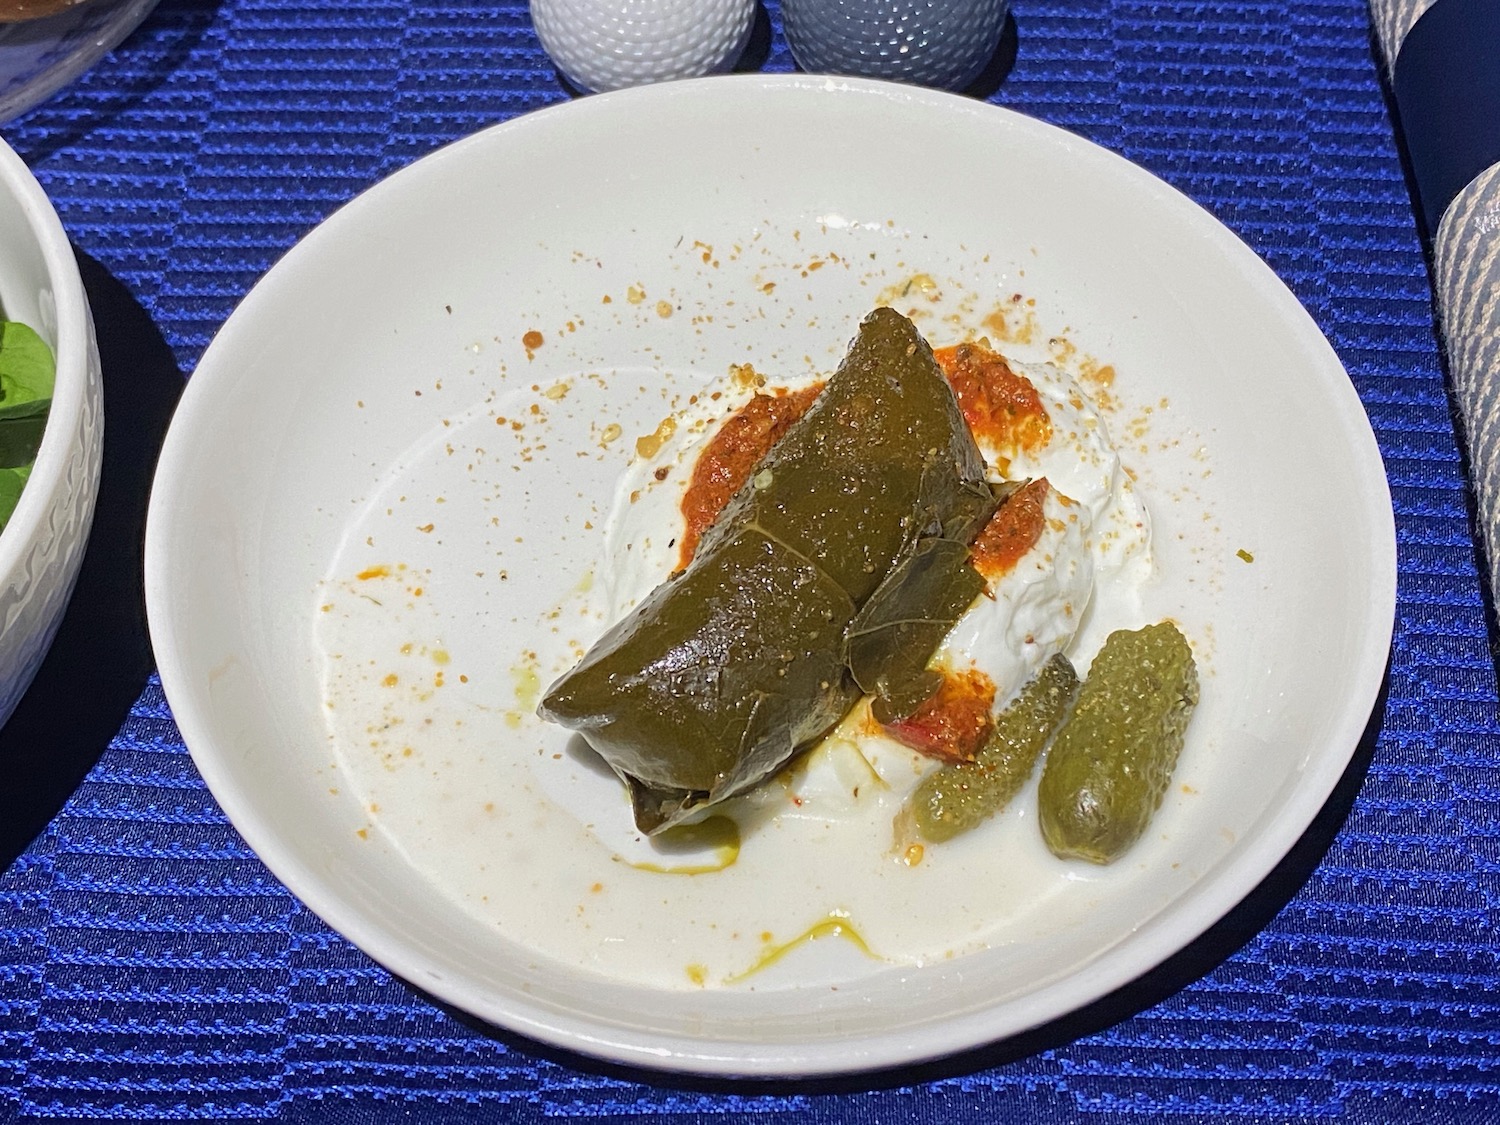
[[730, 667]]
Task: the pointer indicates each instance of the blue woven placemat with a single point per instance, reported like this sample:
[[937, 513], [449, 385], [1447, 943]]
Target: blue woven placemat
[[150, 967]]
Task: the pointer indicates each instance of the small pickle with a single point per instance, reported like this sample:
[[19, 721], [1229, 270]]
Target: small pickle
[[958, 797], [1109, 767]]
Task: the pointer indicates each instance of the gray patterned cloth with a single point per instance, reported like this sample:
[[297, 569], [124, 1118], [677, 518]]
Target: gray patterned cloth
[[1393, 19], [1466, 269], [1466, 265]]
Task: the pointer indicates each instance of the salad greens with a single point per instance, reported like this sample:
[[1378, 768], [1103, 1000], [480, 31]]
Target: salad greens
[[27, 369]]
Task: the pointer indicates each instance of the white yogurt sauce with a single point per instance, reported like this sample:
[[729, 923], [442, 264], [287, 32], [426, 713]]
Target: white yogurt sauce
[[525, 827]]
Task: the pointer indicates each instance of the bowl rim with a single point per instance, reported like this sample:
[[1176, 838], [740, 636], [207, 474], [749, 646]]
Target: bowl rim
[[71, 354], [670, 1053]]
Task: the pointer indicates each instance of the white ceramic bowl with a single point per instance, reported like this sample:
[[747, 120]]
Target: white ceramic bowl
[[42, 546], [380, 508]]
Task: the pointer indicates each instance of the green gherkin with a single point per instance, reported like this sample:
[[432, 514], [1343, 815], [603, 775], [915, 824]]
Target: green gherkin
[[959, 797], [1109, 767]]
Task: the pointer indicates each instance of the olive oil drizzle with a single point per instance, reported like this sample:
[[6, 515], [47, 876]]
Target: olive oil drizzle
[[837, 924], [719, 833]]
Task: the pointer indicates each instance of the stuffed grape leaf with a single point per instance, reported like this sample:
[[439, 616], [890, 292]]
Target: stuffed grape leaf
[[730, 667]]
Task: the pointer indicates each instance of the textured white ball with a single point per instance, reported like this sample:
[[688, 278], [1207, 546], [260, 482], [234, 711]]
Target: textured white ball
[[943, 43], [608, 44]]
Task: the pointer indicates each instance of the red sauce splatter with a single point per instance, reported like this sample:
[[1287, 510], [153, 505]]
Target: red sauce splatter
[[1012, 531], [732, 454], [1001, 407], [953, 724]]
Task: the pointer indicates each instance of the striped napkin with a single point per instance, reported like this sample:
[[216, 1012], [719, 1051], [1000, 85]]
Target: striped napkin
[[1444, 63]]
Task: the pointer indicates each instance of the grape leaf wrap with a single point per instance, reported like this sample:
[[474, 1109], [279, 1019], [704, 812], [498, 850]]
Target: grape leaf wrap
[[732, 666]]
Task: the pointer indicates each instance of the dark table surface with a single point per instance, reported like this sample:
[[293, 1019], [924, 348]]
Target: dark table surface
[[151, 968]]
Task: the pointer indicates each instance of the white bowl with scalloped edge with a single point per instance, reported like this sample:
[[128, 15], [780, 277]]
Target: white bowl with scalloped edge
[[41, 547]]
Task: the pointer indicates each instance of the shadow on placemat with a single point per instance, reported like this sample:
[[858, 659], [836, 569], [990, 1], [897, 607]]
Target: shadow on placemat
[[1197, 960], [101, 658], [989, 80], [758, 49]]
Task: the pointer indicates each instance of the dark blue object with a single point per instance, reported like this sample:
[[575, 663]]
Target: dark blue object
[[1448, 91]]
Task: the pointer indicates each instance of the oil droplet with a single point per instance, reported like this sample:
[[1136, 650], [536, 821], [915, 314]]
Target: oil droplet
[[745, 377], [719, 834], [381, 571], [532, 340], [440, 656], [917, 285], [650, 445], [837, 925], [528, 689], [1100, 375], [697, 973], [528, 685]]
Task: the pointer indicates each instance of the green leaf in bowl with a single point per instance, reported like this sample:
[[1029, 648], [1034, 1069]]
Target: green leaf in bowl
[[26, 365], [21, 429], [11, 483], [27, 370]]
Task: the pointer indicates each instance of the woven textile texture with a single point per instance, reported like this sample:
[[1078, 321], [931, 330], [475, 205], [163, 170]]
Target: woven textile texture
[[151, 968]]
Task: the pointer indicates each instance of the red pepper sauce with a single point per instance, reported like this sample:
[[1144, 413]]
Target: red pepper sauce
[[1002, 408], [999, 406], [1012, 531], [954, 723], [731, 456]]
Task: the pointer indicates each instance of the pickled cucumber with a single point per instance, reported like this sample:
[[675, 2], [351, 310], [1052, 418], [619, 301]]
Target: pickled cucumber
[[957, 797], [1108, 768]]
